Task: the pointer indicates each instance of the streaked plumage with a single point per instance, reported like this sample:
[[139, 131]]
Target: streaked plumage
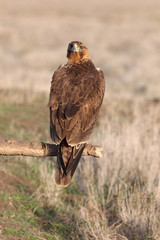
[[76, 94]]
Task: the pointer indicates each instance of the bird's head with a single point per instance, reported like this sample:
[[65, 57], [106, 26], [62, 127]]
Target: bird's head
[[77, 51]]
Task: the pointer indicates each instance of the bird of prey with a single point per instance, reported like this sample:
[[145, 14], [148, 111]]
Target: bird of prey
[[76, 94]]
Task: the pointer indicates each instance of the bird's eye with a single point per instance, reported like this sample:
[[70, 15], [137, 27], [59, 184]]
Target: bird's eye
[[71, 45], [81, 47]]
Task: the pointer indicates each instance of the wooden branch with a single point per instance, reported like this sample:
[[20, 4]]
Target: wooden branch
[[11, 147]]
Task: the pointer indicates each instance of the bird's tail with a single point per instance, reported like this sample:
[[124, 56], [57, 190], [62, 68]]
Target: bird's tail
[[67, 160]]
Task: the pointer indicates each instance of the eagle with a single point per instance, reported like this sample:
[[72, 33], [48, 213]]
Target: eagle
[[76, 94]]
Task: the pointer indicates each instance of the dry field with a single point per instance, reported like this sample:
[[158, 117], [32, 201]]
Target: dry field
[[113, 198], [123, 39]]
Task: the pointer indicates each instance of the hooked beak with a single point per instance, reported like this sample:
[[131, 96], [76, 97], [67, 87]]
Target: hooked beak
[[75, 48]]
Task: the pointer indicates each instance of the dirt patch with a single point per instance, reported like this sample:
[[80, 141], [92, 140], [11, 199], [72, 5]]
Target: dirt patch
[[10, 182]]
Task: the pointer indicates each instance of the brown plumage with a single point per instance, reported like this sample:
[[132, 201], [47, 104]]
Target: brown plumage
[[76, 94]]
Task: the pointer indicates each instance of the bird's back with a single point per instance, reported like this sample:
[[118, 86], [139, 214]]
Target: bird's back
[[75, 99], [76, 94]]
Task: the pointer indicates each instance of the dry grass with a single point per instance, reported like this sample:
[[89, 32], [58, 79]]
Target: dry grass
[[127, 180], [123, 39], [116, 197], [120, 192]]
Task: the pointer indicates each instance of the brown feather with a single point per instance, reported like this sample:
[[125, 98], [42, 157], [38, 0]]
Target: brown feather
[[77, 91], [67, 161]]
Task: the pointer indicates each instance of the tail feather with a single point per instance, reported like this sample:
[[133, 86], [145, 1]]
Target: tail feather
[[67, 160]]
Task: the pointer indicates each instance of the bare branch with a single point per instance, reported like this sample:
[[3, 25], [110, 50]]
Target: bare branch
[[11, 147]]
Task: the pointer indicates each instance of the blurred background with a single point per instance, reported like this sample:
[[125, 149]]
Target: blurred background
[[112, 198], [123, 39]]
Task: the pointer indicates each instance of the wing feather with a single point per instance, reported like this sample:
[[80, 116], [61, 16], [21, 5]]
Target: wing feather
[[71, 109], [74, 103]]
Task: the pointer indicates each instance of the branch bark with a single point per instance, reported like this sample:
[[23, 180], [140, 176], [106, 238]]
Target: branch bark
[[11, 147]]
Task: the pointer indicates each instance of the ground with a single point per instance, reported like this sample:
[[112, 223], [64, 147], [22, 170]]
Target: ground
[[107, 198], [112, 198]]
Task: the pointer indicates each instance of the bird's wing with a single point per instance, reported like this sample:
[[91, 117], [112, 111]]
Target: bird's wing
[[74, 105]]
